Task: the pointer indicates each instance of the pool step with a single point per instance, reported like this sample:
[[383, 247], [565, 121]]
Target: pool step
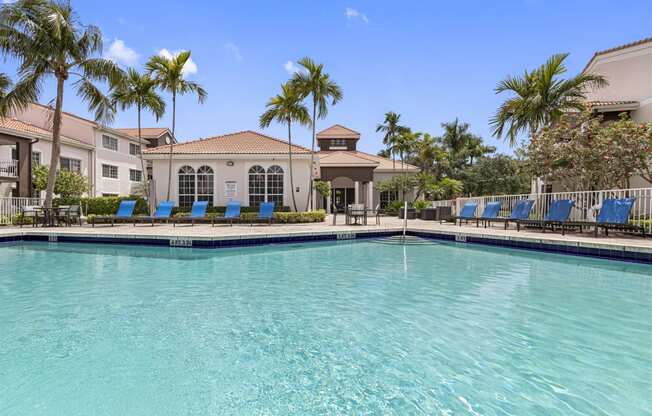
[[408, 240]]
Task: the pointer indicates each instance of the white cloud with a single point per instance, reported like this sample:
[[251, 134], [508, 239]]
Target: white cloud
[[121, 53], [188, 69], [353, 14], [233, 48], [291, 67]]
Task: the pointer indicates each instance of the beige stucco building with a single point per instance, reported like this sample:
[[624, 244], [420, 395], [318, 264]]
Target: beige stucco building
[[628, 70], [251, 167], [108, 157]]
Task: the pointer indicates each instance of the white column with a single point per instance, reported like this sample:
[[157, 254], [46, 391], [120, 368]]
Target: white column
[[329, 199], [370, 195], [314, 196], [356, 186]]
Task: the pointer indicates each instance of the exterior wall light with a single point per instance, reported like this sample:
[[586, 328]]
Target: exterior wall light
[[229, 163]]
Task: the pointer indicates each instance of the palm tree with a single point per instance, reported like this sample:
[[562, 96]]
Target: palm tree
[[47, 39], [168, 73], [316, 83], [392, 130], [540, 98], [285, 108], [139, 90]]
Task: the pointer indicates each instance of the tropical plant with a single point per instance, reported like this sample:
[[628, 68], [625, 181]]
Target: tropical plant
[[47, 39], [540, 97], [580, 152], [314, 82], [169, 76], [496, 175], [323, 188], [68, 184], [405, 144], [392, 130], [139, 90], [286, 108]]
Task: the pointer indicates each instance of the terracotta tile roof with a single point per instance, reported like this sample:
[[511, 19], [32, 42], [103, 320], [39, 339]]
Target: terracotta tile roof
[[615, 105], [19, 127], [344, 158], [243, 142], [146, 132], [617, 48], [362, 159], [338, 131]]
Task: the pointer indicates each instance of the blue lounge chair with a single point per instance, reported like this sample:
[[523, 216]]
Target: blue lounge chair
[[467, 213], [197, 213], [163, 213], [489, 212], [265, 212], [125, 213], [521, 211], [614, 215], [232, 213], [557, 215]]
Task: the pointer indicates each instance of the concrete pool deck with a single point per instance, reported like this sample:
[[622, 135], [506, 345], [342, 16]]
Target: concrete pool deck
[[203, 235]]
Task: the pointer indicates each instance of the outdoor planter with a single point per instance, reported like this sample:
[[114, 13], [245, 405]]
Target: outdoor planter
[[411, 213]]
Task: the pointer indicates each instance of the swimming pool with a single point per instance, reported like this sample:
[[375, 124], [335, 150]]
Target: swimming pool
[[360, 327]]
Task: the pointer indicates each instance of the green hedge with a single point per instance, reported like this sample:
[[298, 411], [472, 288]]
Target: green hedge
[[103, 205], [279, 217], [108, 205]]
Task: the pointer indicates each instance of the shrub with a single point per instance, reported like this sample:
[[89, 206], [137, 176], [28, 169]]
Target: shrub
[[103, 205], [421, 204], [279, 217]]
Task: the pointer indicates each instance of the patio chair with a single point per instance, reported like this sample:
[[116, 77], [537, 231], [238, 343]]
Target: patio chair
[[557, 215], [29, 211], [467, 213], [355, 212], [163, 213], [125, 213], [197, 213], [265, 213], [232, 213], [521, 211], [614, 215], [489, 212]]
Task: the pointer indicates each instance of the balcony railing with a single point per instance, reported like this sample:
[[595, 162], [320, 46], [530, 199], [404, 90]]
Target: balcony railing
[[587, 204], [9, 168]]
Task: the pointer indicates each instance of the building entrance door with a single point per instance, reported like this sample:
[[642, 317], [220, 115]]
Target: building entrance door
[[341, 197]]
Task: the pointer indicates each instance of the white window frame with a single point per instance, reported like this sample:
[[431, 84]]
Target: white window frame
[[133, 146], [38, 157], [107, 142], [117, 171], [70, 159], [131, 175]]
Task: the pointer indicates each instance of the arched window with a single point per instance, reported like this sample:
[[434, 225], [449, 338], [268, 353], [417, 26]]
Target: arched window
[[275, 185], [205, 182], [256, 185], [186, 186]]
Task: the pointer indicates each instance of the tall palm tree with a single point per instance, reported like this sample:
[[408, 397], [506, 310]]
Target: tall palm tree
[[47, 39], [286, 108], [540, 98], [392, 130], [168, 73], [139, 90], [316, 83]]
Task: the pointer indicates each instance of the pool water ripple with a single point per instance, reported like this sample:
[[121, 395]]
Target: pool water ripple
[[334, 328]]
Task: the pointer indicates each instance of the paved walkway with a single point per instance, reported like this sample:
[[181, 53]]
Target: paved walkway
[[203, 231]]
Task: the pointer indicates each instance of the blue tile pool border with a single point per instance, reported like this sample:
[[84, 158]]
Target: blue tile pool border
[[533, 245]]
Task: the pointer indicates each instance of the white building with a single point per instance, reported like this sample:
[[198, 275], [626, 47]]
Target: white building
[[251, 167], [108, 157], [628, 70]]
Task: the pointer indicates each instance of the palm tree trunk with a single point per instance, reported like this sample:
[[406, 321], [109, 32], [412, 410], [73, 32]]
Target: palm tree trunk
[[56, 143], [312, 154], [142, 162], [294, 202], [174, 116]]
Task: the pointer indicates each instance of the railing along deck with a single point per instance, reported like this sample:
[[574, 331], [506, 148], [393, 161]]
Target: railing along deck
[[9, 168], [10, 207]]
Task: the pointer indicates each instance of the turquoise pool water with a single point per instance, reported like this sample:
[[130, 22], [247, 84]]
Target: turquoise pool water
[[332, 328]]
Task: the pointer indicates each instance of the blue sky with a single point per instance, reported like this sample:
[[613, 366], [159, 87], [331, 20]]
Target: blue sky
[[429, 61]]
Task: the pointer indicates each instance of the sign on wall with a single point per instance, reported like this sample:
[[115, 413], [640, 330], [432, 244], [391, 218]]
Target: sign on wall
[[230, 189]]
